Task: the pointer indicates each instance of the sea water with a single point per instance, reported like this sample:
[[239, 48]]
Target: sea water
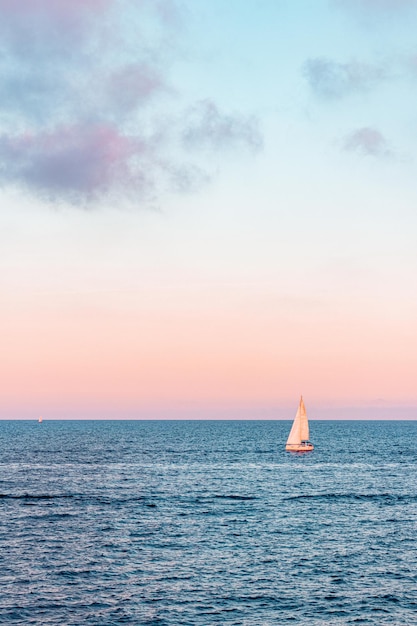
[[199, 523]]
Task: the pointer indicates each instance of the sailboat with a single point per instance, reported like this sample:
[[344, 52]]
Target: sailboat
[[299, 434], [40, 420]]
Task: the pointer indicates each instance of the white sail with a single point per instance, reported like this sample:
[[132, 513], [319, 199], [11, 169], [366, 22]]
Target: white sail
[[305, 435], [294, 438], [299, 431]]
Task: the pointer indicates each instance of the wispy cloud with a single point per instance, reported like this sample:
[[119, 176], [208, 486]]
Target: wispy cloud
[[377, 5], [209, 127], [85, 98], [331, 79], [367, 141]]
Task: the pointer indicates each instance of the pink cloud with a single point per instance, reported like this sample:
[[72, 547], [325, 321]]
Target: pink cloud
[[74, 161], [75, 77], [368, 141]]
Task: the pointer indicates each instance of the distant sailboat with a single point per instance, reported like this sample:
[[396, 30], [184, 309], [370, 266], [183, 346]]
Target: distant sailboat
[[40, 420], [299, 434]]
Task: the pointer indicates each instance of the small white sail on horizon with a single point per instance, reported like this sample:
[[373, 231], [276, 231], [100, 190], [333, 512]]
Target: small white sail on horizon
[[40, 419], [298, 439]]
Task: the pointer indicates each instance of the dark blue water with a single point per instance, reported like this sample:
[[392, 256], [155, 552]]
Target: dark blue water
[[202, 523]]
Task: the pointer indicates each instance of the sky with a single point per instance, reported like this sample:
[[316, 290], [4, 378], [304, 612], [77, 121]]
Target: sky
[[208, 208]]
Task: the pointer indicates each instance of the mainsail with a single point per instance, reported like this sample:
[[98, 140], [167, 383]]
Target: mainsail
[[299, 431]]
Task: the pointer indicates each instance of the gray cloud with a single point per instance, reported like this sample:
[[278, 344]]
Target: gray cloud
[[210, 128], [50, 30], [133, 85], [85, 101], [330, 79], [367, 141], [76, 163]]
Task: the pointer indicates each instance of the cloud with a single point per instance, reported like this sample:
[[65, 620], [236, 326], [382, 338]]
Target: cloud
[[367, 141], [28, 29], [377, 6], [75, 162], [85, 102], [132, 85], [209, 128], [330, 79]]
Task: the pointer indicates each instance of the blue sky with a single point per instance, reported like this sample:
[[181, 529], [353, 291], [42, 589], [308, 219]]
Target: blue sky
[[208, 207]]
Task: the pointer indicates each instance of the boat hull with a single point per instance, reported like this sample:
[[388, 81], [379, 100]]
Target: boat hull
[[299, 447]]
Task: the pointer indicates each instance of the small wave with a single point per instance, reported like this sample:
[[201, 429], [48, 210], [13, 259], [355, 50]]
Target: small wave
[[235, 497], [27, 496], [50, 517], [387, 498], [31, 498]]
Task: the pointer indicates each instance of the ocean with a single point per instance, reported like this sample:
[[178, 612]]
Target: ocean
[[207, 522]]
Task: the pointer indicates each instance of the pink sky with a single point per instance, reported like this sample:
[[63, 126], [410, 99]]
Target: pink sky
[[194, 351]]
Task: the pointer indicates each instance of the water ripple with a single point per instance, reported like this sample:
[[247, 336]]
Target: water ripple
[[199, 523]]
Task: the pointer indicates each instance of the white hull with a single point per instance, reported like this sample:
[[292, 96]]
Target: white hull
[[299, 447]]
